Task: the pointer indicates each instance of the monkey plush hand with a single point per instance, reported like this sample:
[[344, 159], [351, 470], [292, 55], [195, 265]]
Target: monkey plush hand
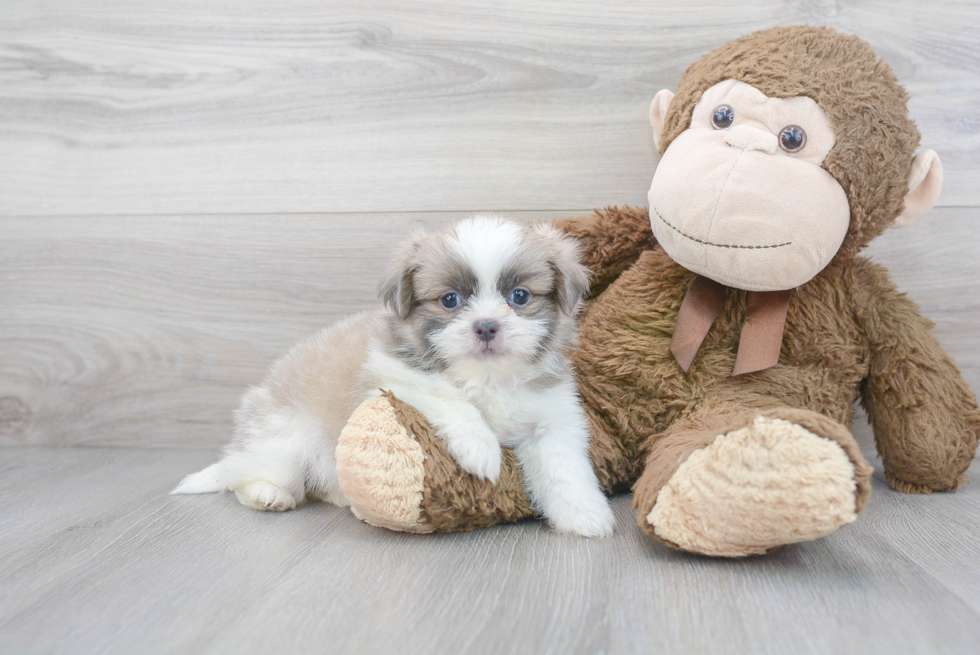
[[732, 326]]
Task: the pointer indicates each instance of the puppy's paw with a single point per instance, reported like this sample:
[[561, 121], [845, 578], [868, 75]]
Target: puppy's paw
[[591, 517], [265, 496], [475, 449]]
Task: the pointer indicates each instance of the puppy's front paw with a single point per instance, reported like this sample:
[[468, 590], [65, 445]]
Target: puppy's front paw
[[476, 450], [265, 496], [589, 518]]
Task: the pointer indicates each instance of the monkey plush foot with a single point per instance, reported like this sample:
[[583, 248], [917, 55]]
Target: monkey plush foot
[[397, 474], [765, 483]]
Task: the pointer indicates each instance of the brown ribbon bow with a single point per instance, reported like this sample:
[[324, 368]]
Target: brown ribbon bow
[[762, 329]]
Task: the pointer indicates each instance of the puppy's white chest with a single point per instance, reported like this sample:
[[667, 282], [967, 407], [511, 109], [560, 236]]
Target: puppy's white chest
[[508, 413]]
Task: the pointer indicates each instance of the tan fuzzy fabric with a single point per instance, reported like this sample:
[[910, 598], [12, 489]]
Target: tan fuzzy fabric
[[455, 501], [397, 474], [879, 350], [768, 484], [849, 335], [380, 468], [699, 430]]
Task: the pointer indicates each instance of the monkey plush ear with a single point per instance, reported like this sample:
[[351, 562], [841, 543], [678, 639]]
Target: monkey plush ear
[[925, 182], [658, 112]]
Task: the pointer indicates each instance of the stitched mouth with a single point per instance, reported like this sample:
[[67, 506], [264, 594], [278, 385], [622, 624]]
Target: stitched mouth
[[716, 245]]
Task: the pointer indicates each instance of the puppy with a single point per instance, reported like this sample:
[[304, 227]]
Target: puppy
[[476, 324]]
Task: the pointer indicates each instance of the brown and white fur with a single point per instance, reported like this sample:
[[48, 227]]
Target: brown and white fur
[[490, 371]]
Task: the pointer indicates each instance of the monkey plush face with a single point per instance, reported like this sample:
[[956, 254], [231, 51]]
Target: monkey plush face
[[784, 150], [740, 196]]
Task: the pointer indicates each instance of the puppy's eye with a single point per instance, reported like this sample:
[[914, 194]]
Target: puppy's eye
[[449, 300], [520, 296], [723, 116]]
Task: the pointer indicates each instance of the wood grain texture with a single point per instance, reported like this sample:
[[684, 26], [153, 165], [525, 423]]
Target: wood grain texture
[[97, 558], [146, 330], [219, 106], [186, 188]]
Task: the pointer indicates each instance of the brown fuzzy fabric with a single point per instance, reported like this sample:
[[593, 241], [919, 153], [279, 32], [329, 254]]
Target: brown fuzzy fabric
[[924, 415], [859, 93], [672, 449], [615, 237], [849, 334], [452, 499]]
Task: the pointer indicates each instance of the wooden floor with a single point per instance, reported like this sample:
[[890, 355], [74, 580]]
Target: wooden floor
[[187, 187], [98, 558]]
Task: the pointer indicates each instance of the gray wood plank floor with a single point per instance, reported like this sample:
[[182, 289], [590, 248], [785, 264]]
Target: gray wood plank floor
[[98, 559]]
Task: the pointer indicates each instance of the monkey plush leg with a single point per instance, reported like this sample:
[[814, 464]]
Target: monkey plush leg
[[740, 485], [611, 460], [398, 475]]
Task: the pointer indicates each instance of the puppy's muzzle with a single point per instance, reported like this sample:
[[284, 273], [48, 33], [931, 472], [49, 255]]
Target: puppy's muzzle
[[486, 330]]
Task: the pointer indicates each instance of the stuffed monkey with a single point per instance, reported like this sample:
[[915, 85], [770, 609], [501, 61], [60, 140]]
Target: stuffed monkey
[[730, 328]]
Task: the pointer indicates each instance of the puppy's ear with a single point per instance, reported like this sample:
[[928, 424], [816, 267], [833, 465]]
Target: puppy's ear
[[572, 282], [395, 289], [572, 279]]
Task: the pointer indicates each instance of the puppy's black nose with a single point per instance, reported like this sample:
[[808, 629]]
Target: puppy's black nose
[[486, 330]]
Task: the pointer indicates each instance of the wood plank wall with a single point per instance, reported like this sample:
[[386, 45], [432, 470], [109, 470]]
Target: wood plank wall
[[187, 187]]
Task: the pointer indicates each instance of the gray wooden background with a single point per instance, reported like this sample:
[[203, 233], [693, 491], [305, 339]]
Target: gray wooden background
[[187, 187]]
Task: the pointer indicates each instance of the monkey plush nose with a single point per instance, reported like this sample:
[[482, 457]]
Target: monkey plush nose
[[486, 330], [744, 137]]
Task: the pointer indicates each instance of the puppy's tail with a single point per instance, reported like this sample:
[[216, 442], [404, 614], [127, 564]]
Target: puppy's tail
[[213, 478]]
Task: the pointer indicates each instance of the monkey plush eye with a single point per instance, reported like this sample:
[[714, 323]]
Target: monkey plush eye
[[723, 117], [792, 138], [449, 300], [520, 297]]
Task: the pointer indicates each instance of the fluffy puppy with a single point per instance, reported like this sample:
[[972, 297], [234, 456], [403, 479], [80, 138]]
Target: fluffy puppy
[[476, 324]]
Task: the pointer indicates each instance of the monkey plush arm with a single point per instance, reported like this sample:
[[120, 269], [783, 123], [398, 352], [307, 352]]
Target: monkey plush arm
[[611, 239], [924, 416]]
